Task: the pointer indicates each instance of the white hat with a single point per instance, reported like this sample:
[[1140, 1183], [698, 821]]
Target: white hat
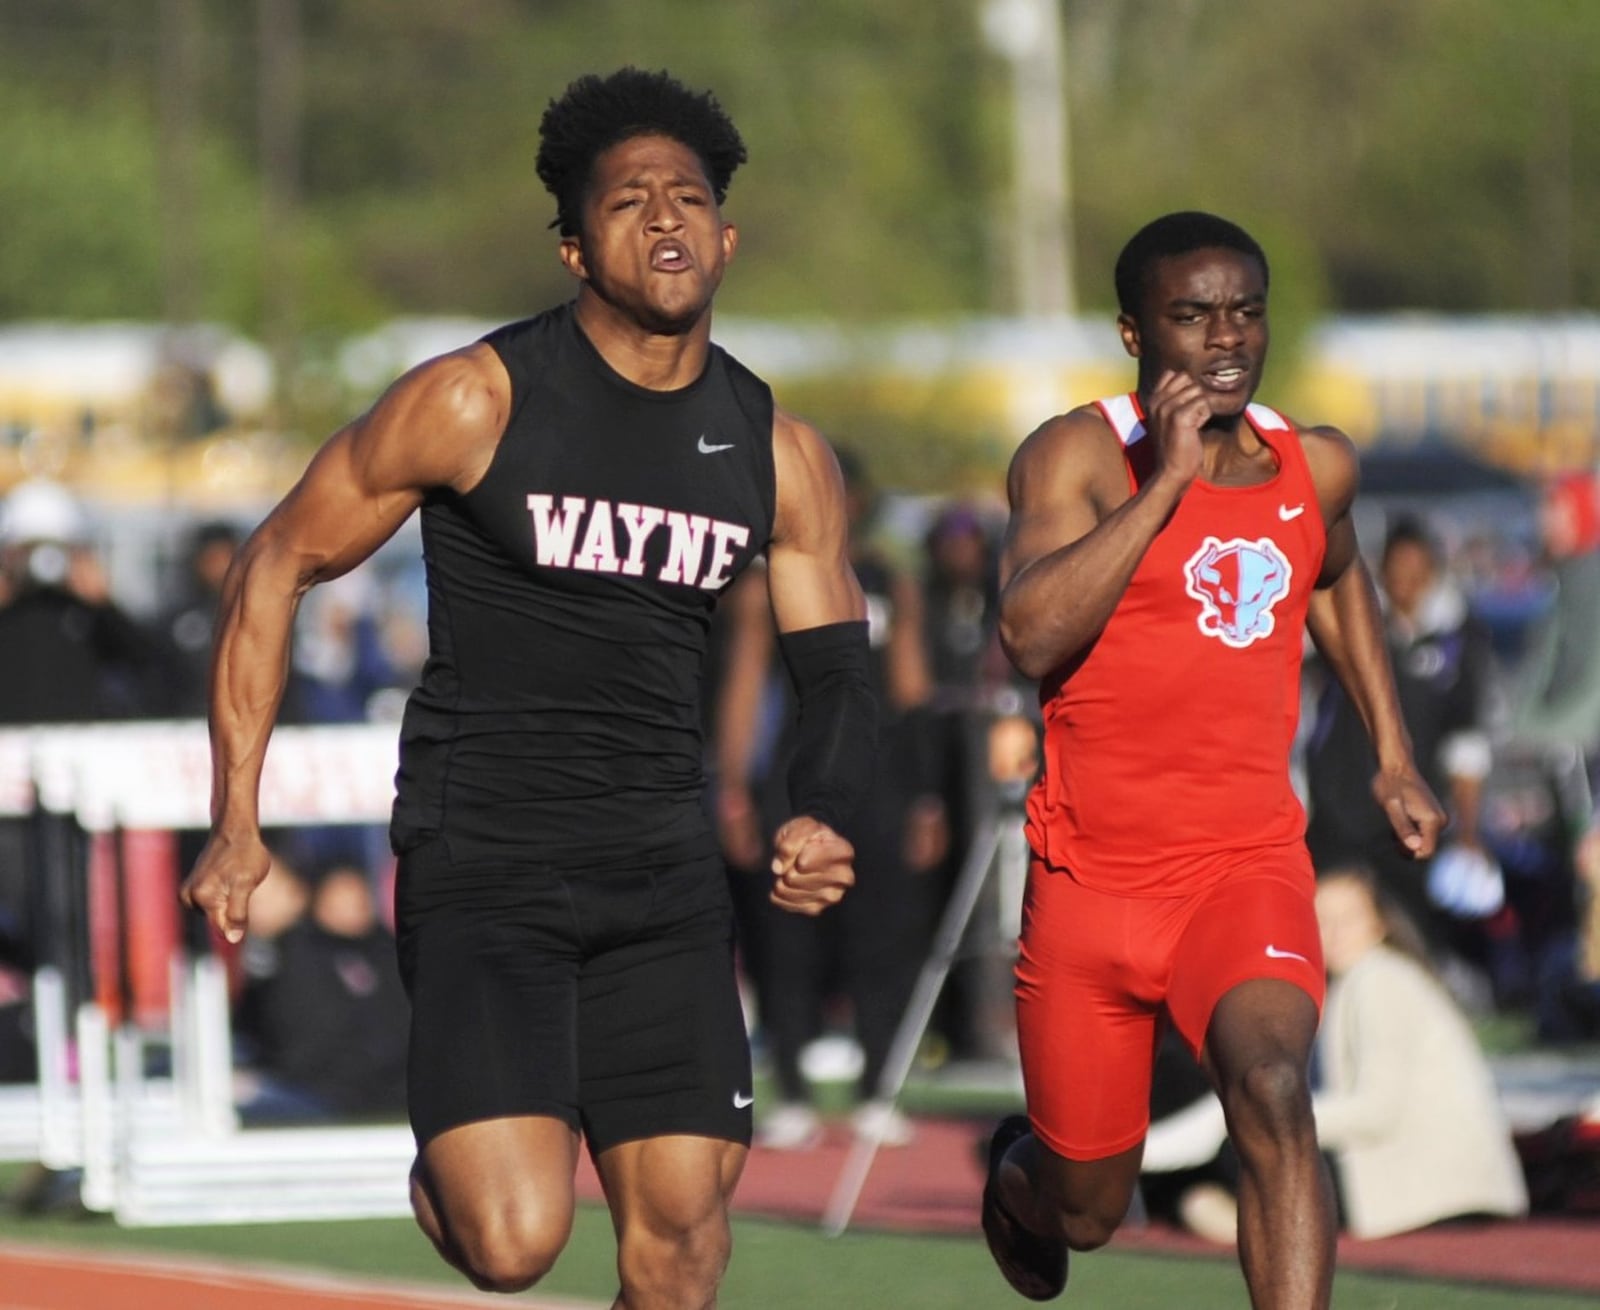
[[41, 510]]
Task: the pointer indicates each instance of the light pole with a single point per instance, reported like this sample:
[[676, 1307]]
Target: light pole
[[1028, 34], [279, 53], [180, 58]]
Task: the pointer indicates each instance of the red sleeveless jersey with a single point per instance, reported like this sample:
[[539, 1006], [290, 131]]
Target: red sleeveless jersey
[[1166, 749]]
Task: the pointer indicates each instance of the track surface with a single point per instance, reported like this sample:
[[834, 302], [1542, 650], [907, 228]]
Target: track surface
[[44, 1278], [933, 1185], [930, 1186]]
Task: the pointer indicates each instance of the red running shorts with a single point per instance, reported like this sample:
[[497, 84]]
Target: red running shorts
[[1098, 973]]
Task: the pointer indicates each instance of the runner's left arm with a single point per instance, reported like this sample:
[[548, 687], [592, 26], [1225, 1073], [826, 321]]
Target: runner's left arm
[[1346, 624], [822, 634]]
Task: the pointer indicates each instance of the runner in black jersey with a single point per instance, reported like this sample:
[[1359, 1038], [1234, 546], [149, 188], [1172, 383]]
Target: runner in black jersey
[[589, 481]]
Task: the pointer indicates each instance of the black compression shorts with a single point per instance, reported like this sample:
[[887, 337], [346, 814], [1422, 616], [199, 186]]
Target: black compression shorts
[[604, 999]]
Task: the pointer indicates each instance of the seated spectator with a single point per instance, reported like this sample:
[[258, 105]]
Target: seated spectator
[[1408, 1110], [1569, 979], [1189, 1178], [324, 1006]]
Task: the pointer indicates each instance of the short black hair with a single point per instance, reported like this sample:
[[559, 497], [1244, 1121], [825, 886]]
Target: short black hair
[[594, 113], [215, 532], [852, 468], [1407, 529], [1181, 233]]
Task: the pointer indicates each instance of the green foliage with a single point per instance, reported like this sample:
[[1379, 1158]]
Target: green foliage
[[1438, 153], [914, 434], [89, 228], [1434, 154], [80, 241]]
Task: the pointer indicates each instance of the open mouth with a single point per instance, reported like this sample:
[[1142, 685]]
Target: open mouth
[[1226, 377], [670, 257]]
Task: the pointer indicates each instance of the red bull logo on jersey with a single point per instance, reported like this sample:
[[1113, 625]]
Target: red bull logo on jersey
[[1237, 583], [599, 537]]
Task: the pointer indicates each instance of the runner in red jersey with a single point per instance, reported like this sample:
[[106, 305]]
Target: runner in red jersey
[[1167, 552]]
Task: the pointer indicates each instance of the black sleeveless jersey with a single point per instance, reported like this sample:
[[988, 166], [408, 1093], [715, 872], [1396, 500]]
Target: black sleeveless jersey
[[569, 597]]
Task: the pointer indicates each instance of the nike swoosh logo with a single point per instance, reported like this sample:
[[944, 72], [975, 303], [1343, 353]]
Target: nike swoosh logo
[[1273, 953], [1285, 512], [743, 1101], [707, 449]]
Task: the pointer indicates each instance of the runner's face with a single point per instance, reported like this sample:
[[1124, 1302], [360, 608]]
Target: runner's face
[[653, 243], [1205, 316]]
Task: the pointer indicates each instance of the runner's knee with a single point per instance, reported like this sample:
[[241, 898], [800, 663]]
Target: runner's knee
[[1269, 1105], [673, 1263], [1088, 1230], [507, 1247], [1088, 1204]]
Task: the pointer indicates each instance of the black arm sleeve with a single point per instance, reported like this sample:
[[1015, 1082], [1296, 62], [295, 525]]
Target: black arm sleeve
[[836, 743]]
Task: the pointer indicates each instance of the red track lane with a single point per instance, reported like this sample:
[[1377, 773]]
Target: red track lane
[[36, 1278], [933, 1186]]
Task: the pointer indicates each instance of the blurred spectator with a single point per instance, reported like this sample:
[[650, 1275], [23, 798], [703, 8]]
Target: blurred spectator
[[1569, 979], [1558, 699], [323, 1007], [187, 624], [1444, 673], [68, 653], [869, 948], [278, 904], [1408, 1108], [963, 591], [17, 1062], [974, 1017], [339, 663], [1190, 1174], [1540, 799], [340, 673]]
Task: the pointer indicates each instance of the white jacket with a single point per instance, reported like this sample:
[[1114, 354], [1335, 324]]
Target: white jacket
[[1409, 1108]]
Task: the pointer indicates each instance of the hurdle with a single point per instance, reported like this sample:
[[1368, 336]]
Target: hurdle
[[170, 1150], [42, 1121]]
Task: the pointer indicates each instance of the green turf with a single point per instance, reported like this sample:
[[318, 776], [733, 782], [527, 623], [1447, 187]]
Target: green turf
[[783, 1267]]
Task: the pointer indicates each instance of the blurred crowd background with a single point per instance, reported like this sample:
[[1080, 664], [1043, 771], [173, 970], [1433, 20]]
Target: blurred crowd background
[[228, 224]]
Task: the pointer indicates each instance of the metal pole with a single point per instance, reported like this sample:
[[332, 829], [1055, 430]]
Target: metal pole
[[278, 32], [179, 63], [919, 1010], [1028, 34]]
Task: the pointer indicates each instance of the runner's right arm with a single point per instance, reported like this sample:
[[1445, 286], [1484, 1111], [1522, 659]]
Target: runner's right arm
[[1075, 536], [437, 426]]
